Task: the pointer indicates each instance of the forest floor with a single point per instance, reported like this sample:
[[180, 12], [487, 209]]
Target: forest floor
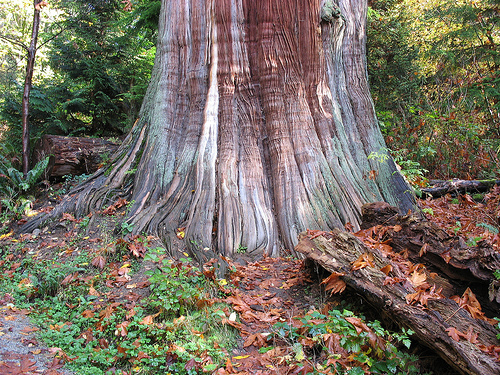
[[267, 296]]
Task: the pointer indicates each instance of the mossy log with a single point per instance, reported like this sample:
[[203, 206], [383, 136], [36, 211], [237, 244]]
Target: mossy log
[[337, 251]]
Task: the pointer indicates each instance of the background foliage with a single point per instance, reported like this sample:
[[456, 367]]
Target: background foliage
[[92, 68], [433, 68]]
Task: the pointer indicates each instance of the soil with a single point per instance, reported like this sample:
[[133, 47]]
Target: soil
[[21, 351]]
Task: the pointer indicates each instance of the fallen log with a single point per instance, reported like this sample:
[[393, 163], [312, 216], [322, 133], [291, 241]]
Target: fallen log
[[410, 295], [73, 155], [429, 243], [440, 188]]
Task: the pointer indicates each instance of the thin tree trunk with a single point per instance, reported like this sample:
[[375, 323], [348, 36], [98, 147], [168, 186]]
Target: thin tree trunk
[[30, 64], [257, 125]]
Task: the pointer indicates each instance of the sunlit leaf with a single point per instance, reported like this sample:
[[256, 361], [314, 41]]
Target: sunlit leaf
[[363, 261]]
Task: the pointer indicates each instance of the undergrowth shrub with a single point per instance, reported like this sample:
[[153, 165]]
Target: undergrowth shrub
[[178, 329], [339, 342]]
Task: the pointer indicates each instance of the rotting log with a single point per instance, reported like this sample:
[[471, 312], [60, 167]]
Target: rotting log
[[336, 251], [428, 242], [441, 187], [425, 242], [73, 155]]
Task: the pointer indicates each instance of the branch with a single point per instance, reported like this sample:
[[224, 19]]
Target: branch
[[14, 41]]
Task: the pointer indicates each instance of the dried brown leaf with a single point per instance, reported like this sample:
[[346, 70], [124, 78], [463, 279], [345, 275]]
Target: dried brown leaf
[[334, 283], [99, 262], [363, 261], [417, 278], [387, 269], [454, 333]]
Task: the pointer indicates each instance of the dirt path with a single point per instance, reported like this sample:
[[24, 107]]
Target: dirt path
[[20, 350]]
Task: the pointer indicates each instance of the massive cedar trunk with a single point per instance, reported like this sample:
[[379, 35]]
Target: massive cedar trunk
[[257, 125]]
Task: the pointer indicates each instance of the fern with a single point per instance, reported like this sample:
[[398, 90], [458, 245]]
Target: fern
[[20, 183], [489, 227], [37, 171]]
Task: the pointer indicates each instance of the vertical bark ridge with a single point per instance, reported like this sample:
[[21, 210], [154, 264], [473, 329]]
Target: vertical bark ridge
[[201, 211], [245, 217]]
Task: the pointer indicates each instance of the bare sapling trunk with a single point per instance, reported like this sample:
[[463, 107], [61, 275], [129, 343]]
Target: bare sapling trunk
[[257, 125], [28, 78]]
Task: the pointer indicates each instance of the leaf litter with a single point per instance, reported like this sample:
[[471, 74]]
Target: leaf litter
[[262, 293]]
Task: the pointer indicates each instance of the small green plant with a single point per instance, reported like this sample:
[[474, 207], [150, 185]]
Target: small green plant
[[15, 179], [178, 285], [370, 347], [84, 223], [127, 228], [241, 249], [472, 241], [182, 333], [497, 274], [13, 186], [381, 156], [478, 197], [428, 211], [488, 227], [411, 170], [458, 227]]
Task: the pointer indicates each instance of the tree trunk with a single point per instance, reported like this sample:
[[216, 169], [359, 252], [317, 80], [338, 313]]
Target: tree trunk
[[257, 125], [30, 65]]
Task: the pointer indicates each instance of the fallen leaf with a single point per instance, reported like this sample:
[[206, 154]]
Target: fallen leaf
[[121, 329], [417, 278], [241, 357], [30, 329], [363, 261], [256, 340], [334, 283], [27, 365], [471, 336], [454, 333], [99, 262], [386, 269], [148, 320], [88, 314], [423, 250]]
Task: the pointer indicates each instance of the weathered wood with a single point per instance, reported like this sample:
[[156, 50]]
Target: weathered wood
[[432, 245], [73, 155], [336, 251], [440, 187]]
